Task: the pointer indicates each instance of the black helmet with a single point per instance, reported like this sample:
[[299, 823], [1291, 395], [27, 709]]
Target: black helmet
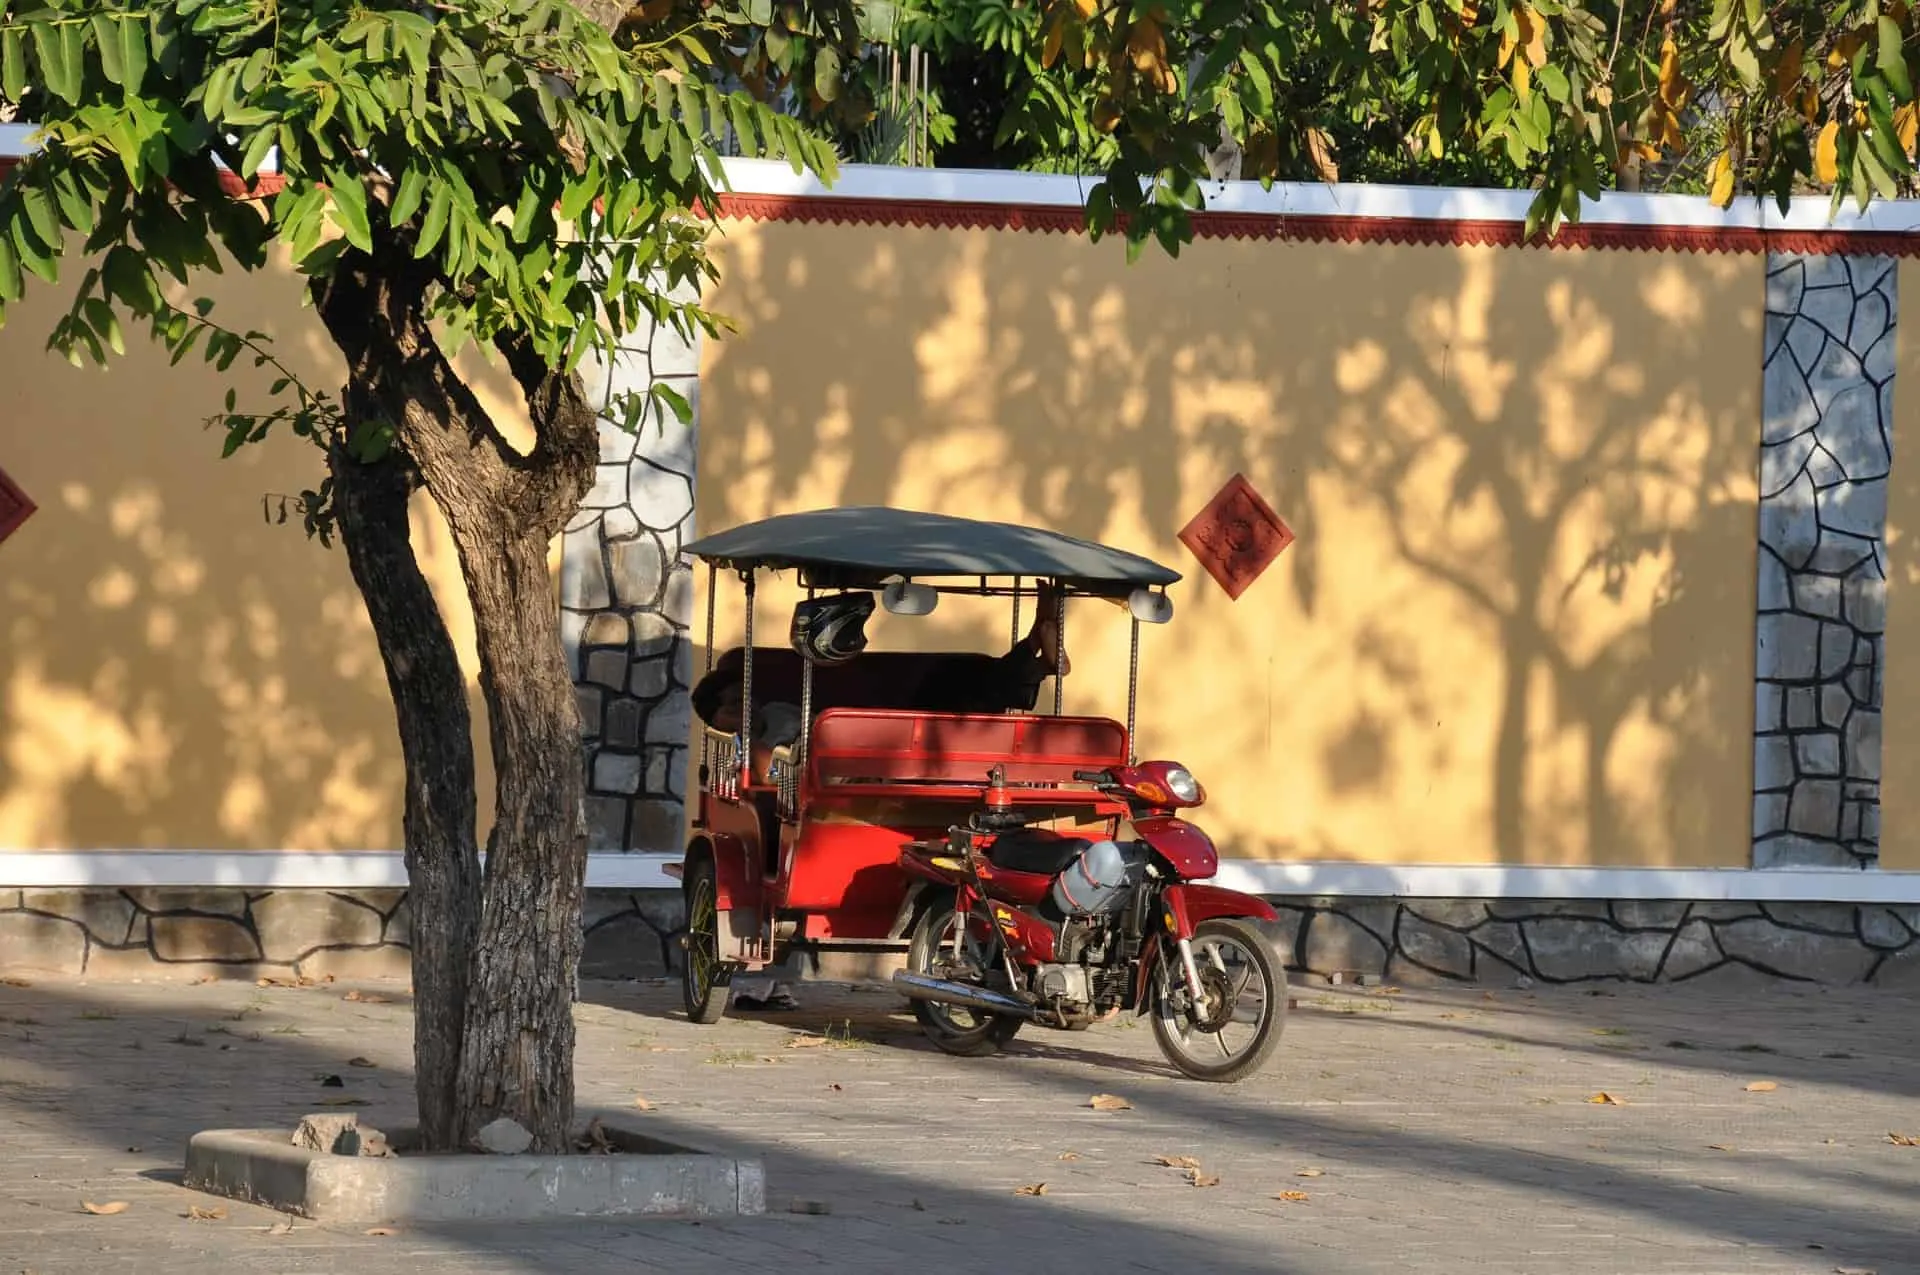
[[831, 630]]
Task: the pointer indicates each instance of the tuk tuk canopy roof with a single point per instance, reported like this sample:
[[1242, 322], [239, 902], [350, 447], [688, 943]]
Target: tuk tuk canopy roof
[[863, 545]]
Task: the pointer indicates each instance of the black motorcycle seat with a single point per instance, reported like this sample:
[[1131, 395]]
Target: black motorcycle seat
[[1035, 850]]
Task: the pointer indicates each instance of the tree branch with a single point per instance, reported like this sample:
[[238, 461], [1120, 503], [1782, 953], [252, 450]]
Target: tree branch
[[565, 425]]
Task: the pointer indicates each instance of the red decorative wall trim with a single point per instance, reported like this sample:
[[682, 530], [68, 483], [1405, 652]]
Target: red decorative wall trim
[[1319, 229], [1056, 219]]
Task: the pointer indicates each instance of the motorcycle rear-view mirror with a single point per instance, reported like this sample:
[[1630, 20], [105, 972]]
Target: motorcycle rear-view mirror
[[1149, 607], [904, 597]]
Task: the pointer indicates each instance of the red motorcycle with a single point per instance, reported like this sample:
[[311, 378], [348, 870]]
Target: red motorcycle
[[1065, 929]]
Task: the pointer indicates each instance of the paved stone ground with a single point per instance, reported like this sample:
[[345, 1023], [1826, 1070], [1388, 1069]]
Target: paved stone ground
[[1451, 1131]]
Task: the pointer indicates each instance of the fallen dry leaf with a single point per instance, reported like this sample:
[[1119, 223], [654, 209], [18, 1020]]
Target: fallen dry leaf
[[1109, 1102], [1292, 1197], [197, 1214], [16, 982], [1903, 1140], [1855, 1270], [280, 1228], [814, 1208], [1762, 1086], [641, 1104], [367, 998], [1198, 1178], [340, 1102], [1718, 1146], [380, 1230], [1038, 1188], [1177, 1161], [1308, 1173], [1606, 1099], [1069, 1155], [361, 1062], [1392, 991], [835, 1088], [805, 1042], [104, 1210], [201, 981]]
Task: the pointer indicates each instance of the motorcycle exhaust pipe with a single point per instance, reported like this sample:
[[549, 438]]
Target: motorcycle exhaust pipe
[[920, 987]]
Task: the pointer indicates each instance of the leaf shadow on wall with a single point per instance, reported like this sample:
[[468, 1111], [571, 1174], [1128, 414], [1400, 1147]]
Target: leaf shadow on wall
[[177, 673], [1517, 624]]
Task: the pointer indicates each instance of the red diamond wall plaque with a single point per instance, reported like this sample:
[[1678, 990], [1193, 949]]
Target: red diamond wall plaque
[[1237, 536], [15, 508]]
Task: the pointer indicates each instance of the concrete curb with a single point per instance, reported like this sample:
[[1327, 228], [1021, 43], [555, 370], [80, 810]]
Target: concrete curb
[[641, 1177]]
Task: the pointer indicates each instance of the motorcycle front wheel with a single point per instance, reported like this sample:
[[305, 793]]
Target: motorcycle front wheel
[[945, 946], [1235, 1028]]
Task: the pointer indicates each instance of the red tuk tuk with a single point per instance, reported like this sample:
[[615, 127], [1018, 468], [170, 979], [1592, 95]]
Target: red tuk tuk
[[1030, 867]]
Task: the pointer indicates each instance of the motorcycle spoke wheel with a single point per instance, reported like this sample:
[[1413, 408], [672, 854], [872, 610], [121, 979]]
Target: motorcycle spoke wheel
[[946, 947], [1235, 1027]]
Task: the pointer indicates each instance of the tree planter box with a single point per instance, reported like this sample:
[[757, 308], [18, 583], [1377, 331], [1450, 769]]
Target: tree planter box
[[642, 1176]]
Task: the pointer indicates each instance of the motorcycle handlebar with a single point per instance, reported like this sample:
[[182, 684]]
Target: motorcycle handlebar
[[1093, 776]]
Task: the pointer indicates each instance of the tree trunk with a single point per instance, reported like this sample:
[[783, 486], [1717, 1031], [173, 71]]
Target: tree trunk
[[503, 507], [436, 741], [517, 1058]]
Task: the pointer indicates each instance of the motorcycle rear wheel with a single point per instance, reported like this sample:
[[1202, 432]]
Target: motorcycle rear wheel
[[954, 1029], [1234, 960]]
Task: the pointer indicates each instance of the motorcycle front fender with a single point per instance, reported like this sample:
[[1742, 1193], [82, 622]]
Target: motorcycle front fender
[[1188, 905]]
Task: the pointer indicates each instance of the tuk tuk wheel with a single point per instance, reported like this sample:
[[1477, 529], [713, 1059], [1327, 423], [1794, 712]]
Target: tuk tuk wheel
[[704, 985], [941, 947]]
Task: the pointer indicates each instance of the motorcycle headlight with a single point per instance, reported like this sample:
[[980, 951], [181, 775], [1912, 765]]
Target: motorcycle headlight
[[1183, 784]]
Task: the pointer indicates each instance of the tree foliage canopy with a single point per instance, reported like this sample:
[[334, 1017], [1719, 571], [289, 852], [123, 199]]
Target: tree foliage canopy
[[1767, 97], [549, 180]]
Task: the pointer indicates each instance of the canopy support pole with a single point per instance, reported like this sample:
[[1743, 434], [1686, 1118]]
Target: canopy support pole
[[1133, 690], [746, 693], [1059, 649], [706, 741]]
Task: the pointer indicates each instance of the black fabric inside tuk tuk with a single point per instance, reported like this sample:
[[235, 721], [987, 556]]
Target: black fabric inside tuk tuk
[[927, 682]]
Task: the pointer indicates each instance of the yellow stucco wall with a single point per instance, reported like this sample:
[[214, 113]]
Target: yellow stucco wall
[[174, 672], [1900, 714], [1517, 626]]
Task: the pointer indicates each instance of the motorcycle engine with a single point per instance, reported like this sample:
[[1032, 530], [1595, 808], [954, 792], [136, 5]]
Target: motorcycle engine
[[1066, 983]]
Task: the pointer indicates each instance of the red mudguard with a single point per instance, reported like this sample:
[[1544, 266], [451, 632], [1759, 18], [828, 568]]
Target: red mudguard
[[1189, 905]]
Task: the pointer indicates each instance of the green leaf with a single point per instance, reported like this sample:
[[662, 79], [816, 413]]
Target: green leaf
[[406, 200], [75, 206], [213, 97], [435, 223], [13, 62], [1260, 82], [41, 214], [692, 114], [100, 314], [11, 285], [256, 153], [350, 206], [133, 52], [62, 76], [1892, 59], [680, 154], [36, 257], [106, 34]]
